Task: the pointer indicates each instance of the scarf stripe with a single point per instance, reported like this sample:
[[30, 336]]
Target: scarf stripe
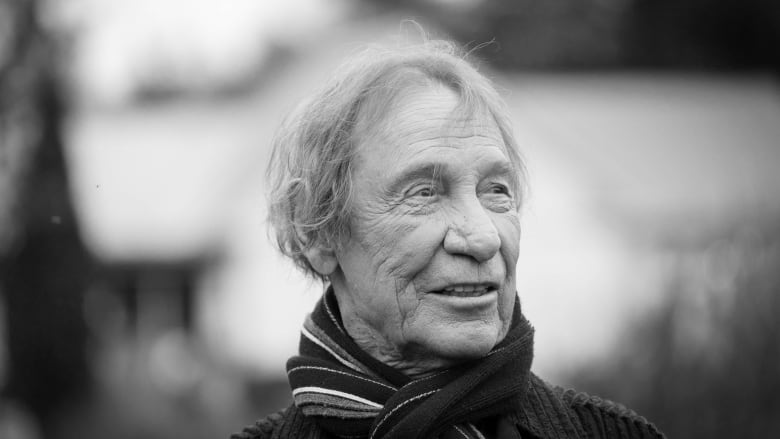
[[318, 404], [357, 377], [463, 433], [317, 373], [323, 345], [336, 393], [351, 394], [398, 407], [477, 433], [333, 319]]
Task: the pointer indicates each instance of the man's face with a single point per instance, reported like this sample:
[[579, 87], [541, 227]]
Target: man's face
[[427, 277]]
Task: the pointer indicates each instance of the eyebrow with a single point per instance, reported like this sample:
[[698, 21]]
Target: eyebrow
[[433, 170], [417, 172], [504, 168]]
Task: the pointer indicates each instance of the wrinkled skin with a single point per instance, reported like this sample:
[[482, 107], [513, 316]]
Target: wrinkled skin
[[434, 207]]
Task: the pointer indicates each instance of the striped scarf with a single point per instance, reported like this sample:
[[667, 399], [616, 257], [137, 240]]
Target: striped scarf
[[352, 395]]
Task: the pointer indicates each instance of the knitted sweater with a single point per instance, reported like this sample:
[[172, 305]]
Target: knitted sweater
[[548, 412]]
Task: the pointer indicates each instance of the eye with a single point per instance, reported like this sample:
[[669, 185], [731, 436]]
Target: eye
[[497, 197], [424, 191], [498, 189]]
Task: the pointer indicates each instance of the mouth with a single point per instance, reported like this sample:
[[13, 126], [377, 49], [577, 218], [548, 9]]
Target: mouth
[[467, 290]]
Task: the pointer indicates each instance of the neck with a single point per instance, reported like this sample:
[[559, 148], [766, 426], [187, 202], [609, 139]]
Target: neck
[[409, 361]]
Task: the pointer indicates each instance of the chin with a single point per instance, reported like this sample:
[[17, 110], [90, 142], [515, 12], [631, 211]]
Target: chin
[[464, 344]]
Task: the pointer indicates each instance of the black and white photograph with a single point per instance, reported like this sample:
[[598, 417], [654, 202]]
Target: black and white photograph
[[389, 219]]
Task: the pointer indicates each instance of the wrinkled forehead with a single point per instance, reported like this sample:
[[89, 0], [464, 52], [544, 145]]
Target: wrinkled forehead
[[387, 115]]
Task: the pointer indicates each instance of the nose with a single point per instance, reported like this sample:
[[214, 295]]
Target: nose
[[472, 233]]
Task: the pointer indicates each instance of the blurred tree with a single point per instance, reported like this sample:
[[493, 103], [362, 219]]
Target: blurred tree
[[571, 34], [542, 34], [537, 34], [724, 34], [706, 363], [45, 267]]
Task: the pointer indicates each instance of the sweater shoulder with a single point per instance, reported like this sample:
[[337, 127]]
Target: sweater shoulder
[[261, 429], [602, 418], [286, 423]]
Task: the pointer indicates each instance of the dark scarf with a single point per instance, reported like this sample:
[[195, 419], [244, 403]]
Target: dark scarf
[[352, 395]]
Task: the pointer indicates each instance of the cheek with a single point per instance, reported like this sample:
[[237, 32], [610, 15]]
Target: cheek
[[509, 230], [410, 245], [393, 251], [508, 226], [418, 249], [400, 246]]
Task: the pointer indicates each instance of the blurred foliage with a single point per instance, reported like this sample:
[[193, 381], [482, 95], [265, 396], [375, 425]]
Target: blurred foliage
[[705, 364], [43, 265], [730, 34], [571, 34]]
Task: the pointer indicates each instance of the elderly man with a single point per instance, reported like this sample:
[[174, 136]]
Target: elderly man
[[399, 185]]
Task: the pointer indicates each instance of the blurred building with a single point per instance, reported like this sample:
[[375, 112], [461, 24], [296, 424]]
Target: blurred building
[[191, 313]]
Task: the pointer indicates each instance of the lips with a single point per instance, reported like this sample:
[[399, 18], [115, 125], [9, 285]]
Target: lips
[[466, 290]]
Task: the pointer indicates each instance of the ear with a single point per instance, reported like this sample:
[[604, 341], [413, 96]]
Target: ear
[[323, 260]]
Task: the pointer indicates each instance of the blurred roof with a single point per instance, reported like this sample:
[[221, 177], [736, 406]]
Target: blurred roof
[[658, 149], [648, 148]]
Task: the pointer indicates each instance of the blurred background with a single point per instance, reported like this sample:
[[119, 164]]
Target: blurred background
[[140, 296]]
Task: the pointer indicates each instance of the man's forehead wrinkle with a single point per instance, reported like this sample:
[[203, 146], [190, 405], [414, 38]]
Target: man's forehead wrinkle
[[440, 128], [451, 119], [493, 139], [418, 124], [438, 108], [419, 134]]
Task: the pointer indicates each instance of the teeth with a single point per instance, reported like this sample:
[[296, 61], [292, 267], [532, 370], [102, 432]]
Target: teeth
[[466, 290]]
